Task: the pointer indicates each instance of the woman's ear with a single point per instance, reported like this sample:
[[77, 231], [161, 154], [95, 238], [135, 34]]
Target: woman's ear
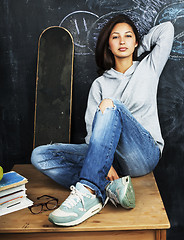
[[136, 44]]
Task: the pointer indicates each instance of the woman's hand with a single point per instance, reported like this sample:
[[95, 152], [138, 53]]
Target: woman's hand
[[112, 174]]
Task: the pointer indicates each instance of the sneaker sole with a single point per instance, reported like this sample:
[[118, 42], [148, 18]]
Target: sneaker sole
[[128, 201], [92, 211]]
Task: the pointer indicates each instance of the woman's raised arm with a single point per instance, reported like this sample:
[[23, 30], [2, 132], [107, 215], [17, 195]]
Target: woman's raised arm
[[158, 42]]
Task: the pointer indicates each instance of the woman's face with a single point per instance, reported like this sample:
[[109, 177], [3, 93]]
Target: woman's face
[[122, 41]]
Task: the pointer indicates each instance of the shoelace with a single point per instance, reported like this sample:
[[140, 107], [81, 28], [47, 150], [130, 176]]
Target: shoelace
[[74, 198]]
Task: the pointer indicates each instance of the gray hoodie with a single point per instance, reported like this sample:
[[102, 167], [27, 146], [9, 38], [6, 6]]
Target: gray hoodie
[[137, 87]]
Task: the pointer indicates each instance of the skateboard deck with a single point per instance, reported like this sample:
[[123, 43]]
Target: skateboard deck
[[54, 81]]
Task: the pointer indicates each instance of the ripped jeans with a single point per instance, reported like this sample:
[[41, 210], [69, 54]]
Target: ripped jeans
[[117, 139]]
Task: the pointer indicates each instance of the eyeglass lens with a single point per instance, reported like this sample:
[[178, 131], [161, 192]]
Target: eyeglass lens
[[36, 208], [51, 204]]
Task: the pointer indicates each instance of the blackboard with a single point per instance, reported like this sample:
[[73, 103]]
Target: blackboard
[[21, 23]]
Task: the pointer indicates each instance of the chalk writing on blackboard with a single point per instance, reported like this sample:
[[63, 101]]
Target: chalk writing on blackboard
[[109, 5], [175, 14], [147, 11], [78, 23], [85, 26]]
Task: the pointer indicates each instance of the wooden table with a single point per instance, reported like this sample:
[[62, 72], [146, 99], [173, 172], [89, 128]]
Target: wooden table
[[148, 220]]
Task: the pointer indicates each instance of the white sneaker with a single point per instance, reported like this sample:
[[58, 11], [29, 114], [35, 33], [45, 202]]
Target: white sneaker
[[79, 206]]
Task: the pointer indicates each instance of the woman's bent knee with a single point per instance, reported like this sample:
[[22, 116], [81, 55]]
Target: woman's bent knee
[[106, 103], [36, 155]]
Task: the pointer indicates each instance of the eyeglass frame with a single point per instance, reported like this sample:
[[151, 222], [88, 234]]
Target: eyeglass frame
[[43, 204]]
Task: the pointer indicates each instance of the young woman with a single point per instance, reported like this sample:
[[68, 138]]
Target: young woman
[[124, 137]]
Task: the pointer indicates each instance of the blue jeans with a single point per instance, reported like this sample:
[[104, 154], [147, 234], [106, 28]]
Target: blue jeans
[[117, 139]]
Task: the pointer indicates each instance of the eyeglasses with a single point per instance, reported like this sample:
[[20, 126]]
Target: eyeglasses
[[50, 205]]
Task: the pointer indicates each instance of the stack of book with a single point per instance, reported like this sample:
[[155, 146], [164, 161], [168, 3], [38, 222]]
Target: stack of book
[[13, 193]]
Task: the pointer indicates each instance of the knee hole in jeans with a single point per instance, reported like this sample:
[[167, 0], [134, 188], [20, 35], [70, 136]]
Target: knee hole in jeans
[[106, 103]]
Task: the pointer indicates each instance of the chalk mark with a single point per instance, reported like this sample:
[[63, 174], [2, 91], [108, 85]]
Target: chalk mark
[[76, 25], [85, 24], [174, 12]]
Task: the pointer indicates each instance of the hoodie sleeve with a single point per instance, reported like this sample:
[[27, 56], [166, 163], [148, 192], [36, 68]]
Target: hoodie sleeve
[[158, 42], [94, 99]]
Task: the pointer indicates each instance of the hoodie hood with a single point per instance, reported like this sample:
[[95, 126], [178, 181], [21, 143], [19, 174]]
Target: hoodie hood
[[113, 74]]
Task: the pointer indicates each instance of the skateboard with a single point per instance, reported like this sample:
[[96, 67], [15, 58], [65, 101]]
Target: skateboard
[[54, 81]]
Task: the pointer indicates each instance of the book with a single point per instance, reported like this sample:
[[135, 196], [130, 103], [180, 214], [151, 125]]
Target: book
[[13, 193], [12, 196], [15, 205], [11, 179], [12, 190]]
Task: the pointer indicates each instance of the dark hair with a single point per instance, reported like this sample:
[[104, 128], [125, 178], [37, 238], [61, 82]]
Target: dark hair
[[104, 57]]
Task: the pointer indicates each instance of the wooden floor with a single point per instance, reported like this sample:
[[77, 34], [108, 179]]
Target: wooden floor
[[147, 221]]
